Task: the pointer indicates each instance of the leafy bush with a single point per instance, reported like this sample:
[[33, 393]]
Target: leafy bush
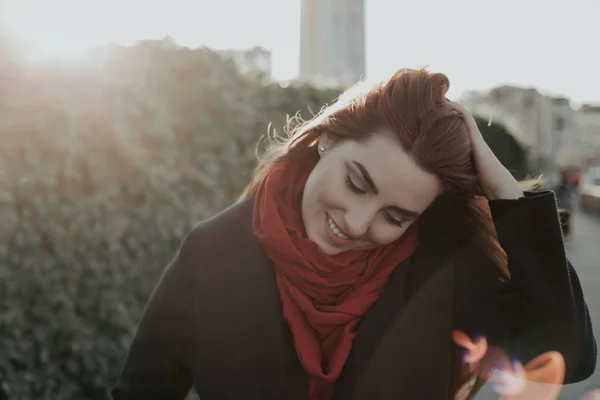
[[102, 172]]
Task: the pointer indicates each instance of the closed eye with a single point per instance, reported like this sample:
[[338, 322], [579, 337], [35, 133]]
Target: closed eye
[[388, 217], [353, 186], [393, 221]]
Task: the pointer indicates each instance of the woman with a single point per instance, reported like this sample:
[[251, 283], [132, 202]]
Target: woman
[[359, 245]]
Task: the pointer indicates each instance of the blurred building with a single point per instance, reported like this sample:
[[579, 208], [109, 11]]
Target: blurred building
[[547, 126], [565, 131], [254, 60], [588, 122], [332, 41]]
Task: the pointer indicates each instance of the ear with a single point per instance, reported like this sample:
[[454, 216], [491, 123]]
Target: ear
[[323, 144]]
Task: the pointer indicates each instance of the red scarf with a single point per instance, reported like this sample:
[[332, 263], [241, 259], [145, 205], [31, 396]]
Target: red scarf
[[323, 297]]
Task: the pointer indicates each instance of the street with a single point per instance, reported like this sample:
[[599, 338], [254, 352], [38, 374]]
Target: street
[[583, 250]]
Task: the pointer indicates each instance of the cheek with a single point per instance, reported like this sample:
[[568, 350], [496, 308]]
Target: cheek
[[329, 188], [322, 192]]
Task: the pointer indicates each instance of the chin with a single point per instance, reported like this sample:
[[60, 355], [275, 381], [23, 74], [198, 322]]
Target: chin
[[331, 251], [326, 247]]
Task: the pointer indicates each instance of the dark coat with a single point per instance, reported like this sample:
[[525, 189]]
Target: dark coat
[[215, 320]]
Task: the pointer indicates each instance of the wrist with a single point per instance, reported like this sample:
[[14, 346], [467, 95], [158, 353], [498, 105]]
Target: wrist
[[508, 192], [506, 187]]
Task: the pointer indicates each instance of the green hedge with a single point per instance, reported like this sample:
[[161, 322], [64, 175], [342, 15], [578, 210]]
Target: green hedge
[[102, 172]]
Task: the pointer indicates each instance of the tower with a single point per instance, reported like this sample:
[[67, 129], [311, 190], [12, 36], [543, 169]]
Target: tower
[[332, 41]]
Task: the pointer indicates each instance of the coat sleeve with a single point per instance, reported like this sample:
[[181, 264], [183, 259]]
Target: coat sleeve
[[156, 366], [552, 314]]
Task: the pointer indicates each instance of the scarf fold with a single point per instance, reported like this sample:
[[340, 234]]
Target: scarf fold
[[323, 297]]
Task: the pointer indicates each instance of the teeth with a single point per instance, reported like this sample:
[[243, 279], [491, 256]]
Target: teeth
[[335, 229]]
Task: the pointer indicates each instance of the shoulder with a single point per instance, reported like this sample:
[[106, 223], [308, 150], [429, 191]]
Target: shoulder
[[217, 235], [232, 279], [222, 253], [222, 249]]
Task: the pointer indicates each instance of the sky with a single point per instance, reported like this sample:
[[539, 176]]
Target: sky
[[551, 45]]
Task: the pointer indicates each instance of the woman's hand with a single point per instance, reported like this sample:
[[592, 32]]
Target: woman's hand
[[495, 180]]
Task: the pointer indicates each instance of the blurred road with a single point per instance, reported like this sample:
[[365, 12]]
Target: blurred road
[[583, 249]]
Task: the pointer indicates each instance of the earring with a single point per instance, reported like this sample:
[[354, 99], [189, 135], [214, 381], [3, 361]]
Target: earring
[[321, 147]]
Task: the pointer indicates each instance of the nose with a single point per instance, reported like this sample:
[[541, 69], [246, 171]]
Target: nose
[[358, 219]]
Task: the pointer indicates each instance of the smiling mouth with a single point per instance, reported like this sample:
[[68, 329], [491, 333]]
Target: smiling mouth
[[336, 231]]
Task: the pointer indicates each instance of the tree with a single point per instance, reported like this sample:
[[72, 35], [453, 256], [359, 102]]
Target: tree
[[504, 145]]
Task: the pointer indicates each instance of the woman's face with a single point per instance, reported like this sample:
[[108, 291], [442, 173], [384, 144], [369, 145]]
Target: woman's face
[[364, 195]]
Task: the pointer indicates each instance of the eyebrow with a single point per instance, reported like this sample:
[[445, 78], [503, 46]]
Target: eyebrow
[[367, 177]]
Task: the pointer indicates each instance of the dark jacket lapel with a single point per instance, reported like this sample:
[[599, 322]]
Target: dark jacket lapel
[[413, 358]]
